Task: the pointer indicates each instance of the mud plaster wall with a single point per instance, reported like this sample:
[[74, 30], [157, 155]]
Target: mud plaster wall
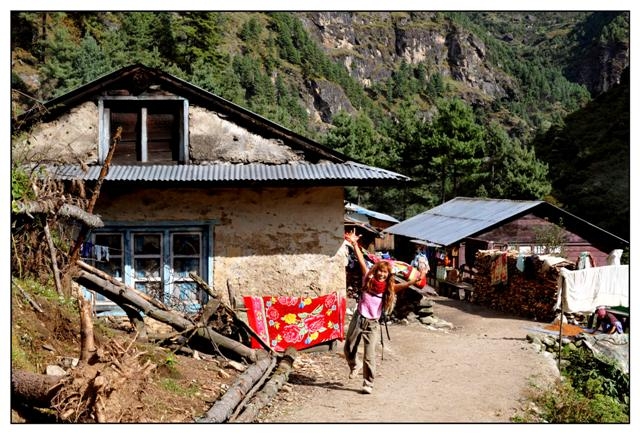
[[212, 138], [277, 241], [71, 138]]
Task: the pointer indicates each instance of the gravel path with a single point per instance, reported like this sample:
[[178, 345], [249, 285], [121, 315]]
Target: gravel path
[[474, 372]]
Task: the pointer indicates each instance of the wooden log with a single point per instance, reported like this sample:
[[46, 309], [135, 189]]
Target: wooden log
[[31, 301], [32, 389], [224, 407], [273, 386], [87, 341], [122, 295], [65, 210], [137, 321], [256, 387], [202, 284], [157, 303], [54, 262], [232, 295]]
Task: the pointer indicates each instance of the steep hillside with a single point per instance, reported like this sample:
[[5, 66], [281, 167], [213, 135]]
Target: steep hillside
[[589, 160]]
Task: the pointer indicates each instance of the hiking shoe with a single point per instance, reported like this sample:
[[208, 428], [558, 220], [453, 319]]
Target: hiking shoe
[[355, 370], [367, 390]]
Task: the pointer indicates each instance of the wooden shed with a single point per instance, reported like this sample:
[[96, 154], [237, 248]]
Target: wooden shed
[[457, 229]]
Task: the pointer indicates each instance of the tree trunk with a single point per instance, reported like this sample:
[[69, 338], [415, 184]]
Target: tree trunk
[[271, 389], [54, 262], [93, 270], [74, 254], [224, 407], [65, 210], [125, 296], [87, 341], [34, 389]]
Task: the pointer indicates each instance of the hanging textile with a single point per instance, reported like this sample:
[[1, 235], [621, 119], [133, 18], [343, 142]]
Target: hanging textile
[[585, 260], [499, 269], [298, 322], [588, 288]]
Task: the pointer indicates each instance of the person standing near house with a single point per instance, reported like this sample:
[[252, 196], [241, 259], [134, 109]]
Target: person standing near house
[[377, 294], [607, 321]]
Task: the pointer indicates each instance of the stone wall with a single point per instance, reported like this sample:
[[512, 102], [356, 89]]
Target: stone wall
[[280, 241]]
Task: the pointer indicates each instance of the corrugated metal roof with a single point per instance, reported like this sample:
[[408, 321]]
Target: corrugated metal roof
[[377, 215], [459, 218], [350, 221], [224, 172]]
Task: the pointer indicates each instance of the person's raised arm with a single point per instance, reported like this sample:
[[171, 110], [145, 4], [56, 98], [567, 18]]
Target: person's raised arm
[[353, 238], [404, 285]]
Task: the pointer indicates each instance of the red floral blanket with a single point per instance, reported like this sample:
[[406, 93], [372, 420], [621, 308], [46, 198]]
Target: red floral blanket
[[300, 322]]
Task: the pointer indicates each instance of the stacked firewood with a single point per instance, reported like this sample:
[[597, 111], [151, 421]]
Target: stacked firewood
[[531, 293]]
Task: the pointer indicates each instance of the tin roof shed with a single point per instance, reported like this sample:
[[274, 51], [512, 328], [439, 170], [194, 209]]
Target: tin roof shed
[[465, 217]]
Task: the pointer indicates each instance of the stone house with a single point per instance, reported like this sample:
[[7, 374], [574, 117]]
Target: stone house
[[198, 184]]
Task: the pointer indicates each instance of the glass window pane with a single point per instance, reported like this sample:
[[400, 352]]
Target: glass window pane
[[186, 244], [183, 266], [146, 244], [147, 268], [113, 268], [113, 241]]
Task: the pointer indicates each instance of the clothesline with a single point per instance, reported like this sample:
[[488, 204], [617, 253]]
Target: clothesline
[[94, 251]]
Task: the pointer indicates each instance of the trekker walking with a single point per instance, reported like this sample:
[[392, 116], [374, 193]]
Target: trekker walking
[[376, 294]]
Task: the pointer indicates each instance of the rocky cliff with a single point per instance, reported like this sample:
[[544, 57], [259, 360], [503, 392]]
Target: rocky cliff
[[372, 45]]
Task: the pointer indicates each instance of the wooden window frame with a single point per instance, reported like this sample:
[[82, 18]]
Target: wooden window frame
[[127, 230], [143, 104]]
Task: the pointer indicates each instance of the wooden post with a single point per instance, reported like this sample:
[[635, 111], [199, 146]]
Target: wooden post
[[562, 290], [54, 262], [87, 342]]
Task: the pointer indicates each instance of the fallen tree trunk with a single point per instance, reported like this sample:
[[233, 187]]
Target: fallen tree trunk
[[37, 390], [123, 296], [65, 210], [93, 270], [271, 389], [224, 407], [256, 387]]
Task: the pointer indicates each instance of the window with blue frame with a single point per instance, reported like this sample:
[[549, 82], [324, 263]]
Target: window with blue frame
[[157, 261]]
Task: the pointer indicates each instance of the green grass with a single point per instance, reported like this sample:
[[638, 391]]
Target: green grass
[[172, 386]]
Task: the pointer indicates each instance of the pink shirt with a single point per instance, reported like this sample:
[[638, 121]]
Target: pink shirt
[[370, 306]]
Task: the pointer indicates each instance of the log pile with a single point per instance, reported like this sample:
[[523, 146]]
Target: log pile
[[531, 293]]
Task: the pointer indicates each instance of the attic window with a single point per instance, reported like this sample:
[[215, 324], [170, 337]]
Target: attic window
[[153, 130]]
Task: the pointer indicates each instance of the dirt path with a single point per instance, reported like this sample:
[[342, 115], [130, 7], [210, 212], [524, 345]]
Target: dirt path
[[474, 373]]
